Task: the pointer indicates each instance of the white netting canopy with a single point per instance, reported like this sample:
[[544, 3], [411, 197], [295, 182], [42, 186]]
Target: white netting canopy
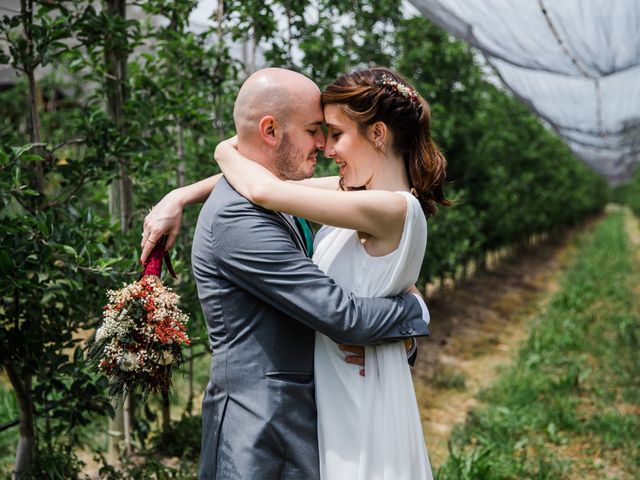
[[575, 63]]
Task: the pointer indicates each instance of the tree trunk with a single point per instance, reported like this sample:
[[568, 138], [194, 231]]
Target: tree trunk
[[254, 52], [166, 411], [33, 118], [116, 431], [127, 420], [180, 171], [37, 182], [121, 200], [289, 32], [219, 104], [120, 196], [25, 451], [190, 383], [27, 440]]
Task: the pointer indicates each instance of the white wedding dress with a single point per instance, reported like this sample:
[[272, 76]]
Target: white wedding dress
[[369, 427]]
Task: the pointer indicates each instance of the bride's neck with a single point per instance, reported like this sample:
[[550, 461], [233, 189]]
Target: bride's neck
[[390, 174]]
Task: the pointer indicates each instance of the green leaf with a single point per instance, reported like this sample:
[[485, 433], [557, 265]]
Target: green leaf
[[70, 250], [6, 265], [19, 151], [29, 191]]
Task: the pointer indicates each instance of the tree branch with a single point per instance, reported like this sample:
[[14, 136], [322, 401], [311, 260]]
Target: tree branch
[[56, 203]]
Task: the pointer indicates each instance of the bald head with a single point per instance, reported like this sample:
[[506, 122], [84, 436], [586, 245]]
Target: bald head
[[280, 93]]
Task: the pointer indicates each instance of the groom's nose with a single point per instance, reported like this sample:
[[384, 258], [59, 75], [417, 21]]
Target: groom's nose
[[320, 140]]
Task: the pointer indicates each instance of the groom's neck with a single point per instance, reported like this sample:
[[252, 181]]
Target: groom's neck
[[260, 155]]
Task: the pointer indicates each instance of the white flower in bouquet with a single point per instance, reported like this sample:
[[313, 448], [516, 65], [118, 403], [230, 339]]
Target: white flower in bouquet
[[166, 358], [129, 362]]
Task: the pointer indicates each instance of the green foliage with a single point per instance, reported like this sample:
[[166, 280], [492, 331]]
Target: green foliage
[[49, 254], [145, 467], [455, 238], [568, 378], [449, 378], [475, 466], [629, 193], [60, 463], [181, 440]]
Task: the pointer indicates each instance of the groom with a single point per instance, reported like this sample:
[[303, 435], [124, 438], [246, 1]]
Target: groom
[[263, 298]]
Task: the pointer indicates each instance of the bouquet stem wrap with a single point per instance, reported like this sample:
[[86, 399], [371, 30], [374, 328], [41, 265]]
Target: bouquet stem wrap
[[153, 265]]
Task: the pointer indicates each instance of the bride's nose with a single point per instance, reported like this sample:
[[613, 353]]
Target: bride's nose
[[329, 151]]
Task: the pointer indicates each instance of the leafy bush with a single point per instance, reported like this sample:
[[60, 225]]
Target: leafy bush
[[182, 439]]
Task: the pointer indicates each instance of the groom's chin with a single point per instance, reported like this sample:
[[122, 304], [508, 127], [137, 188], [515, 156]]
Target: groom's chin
[[304, 173]]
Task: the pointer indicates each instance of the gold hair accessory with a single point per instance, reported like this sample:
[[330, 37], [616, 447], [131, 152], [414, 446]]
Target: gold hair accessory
[[404, 90]]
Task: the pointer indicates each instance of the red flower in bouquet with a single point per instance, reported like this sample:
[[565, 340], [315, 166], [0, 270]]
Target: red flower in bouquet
[[142, 333]]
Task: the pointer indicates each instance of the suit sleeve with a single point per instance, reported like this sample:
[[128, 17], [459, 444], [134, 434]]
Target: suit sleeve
[[256, 252]]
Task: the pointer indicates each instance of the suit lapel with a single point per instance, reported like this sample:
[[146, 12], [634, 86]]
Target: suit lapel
[[295, 232]]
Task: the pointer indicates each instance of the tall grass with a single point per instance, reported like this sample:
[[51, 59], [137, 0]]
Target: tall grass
[[568, 407]]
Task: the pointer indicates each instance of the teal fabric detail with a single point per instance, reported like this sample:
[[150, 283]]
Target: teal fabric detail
[[305, 228]]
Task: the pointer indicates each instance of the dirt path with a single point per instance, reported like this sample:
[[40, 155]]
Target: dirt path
[[476, 328]]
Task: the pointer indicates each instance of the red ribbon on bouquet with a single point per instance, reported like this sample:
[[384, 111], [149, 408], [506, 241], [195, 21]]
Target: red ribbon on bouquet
[[153, 265]]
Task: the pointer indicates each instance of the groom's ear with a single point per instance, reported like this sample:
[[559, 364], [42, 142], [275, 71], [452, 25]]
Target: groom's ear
[[270, 130]]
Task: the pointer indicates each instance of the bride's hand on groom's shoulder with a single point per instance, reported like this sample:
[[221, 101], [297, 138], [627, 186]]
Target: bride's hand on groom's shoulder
[[164, 218], [219, 152]]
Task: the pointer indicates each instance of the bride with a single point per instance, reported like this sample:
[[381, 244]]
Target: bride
[[369, 426]]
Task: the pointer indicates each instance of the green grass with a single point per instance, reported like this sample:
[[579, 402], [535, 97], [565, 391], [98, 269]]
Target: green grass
[[8, 438], [571, 394], [447, 377]]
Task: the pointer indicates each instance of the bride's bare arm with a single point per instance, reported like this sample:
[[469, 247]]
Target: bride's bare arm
[[165, 218], [326, 183], [375, 212]]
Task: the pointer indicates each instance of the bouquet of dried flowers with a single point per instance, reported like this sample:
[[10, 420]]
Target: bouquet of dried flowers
[[142, 333]]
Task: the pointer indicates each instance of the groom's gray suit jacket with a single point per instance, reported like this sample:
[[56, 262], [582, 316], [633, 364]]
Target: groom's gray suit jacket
[[262, 299]]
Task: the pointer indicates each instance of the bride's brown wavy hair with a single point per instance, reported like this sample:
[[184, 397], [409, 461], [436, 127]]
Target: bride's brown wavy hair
[[382, 95]]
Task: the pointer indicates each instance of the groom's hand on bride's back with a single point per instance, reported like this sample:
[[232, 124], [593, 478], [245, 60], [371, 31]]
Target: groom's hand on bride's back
[[164, 219], [354, 355]]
